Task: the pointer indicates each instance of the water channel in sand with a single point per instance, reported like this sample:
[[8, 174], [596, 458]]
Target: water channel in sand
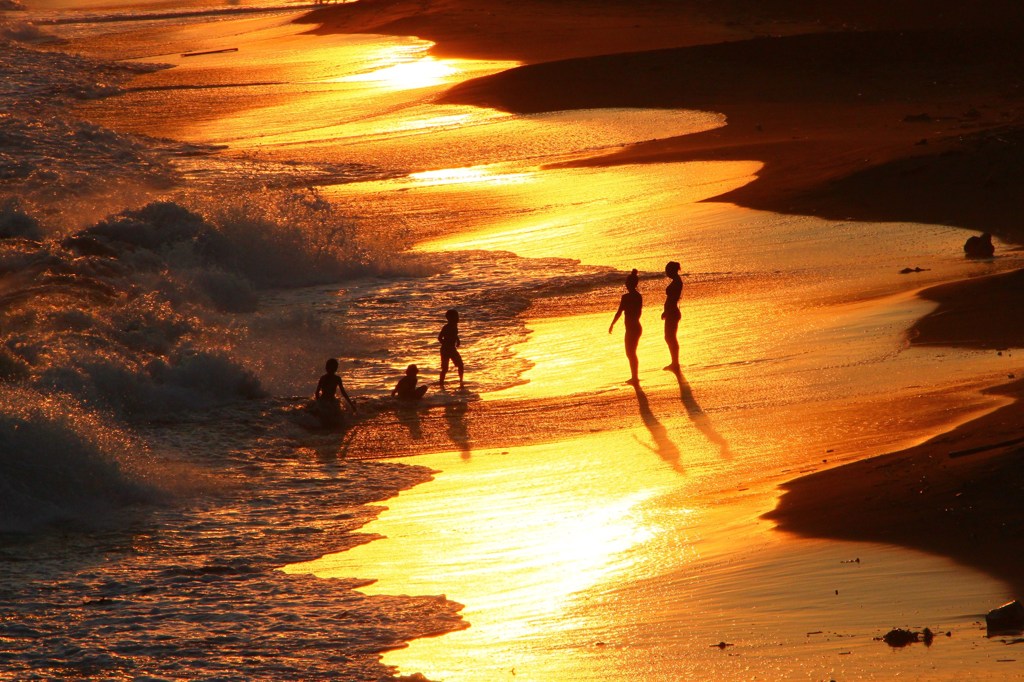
[[628, 553]]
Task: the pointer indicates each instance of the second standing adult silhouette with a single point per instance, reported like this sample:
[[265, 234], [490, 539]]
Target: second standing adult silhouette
[[671, 314]]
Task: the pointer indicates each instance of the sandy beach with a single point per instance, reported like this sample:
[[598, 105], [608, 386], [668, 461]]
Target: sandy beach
[[842, 444], [857, 111]]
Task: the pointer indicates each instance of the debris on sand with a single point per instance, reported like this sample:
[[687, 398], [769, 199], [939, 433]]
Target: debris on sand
[[898, 637], [722, 645]]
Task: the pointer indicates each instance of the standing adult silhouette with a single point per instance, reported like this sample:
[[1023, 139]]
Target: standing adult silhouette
[[631, 304], [671, 314]]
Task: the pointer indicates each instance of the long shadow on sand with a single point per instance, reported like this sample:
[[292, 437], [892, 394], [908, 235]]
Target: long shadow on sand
[[699, 418], [663, 445]]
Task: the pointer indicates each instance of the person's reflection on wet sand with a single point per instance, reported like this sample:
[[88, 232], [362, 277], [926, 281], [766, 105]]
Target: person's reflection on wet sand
[[699, 417], [664, 447], [458, 430], [329, 454], [408, 414]]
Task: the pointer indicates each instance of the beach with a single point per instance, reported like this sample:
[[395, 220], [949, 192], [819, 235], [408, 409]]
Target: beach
[[839, 450], [835, 148]]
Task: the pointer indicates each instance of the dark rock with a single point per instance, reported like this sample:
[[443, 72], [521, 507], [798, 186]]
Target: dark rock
[[1007, 619], [980, 246]]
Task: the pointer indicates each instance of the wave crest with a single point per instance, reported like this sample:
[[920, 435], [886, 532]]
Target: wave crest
[[62, 465]]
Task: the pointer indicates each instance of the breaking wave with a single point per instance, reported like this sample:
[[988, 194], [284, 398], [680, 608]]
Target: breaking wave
[[138, 317], [62, 465]]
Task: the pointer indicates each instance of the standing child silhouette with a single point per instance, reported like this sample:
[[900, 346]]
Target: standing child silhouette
[[449, 338]]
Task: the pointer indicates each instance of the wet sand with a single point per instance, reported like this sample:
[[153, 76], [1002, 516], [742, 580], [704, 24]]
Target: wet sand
[[955, 495], [917, 116]]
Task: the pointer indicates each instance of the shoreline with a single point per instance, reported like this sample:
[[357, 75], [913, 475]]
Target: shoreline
[[831, 150], [955, 494], [646, 428], [839, 135]]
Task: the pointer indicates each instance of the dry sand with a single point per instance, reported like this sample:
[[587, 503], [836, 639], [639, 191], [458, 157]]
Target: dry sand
[[863, 109]]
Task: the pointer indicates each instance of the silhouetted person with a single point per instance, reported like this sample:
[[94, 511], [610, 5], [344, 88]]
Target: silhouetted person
[[979, 247], [631, 304], [671, 314], [326, 396], [449, 338], [406, 388]]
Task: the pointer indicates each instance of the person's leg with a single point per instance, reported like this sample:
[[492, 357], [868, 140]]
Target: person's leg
[[634, 361], [444, 366], [457, 359], [671, 327]]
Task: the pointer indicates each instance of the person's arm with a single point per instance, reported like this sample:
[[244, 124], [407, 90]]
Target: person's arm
[[618, 314], [319, 389], [345, 393]]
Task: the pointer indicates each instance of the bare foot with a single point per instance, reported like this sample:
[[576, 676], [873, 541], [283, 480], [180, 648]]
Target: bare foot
[[633, 382], [672, 368]]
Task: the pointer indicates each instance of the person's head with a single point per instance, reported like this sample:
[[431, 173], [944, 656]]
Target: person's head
[[632, 280], [452, 315], [412, 370], [672, 268], [331, 366]]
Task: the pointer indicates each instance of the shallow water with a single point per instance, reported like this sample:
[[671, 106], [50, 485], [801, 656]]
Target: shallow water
[[623, 539], [608, 563]]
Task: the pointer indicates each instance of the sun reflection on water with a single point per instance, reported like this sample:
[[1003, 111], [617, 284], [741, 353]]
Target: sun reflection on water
[[517, 555], [421, 73], [459, 176]]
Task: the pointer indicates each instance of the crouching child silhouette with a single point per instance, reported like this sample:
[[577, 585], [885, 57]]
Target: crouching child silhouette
[[406, 388]]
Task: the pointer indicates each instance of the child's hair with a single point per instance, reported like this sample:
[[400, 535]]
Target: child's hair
[[331, 366], [673, 266], [632, 279], [452, 315], [411, 369]]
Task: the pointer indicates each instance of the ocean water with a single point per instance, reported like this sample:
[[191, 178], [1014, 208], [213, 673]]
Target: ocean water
[[185, 240]]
